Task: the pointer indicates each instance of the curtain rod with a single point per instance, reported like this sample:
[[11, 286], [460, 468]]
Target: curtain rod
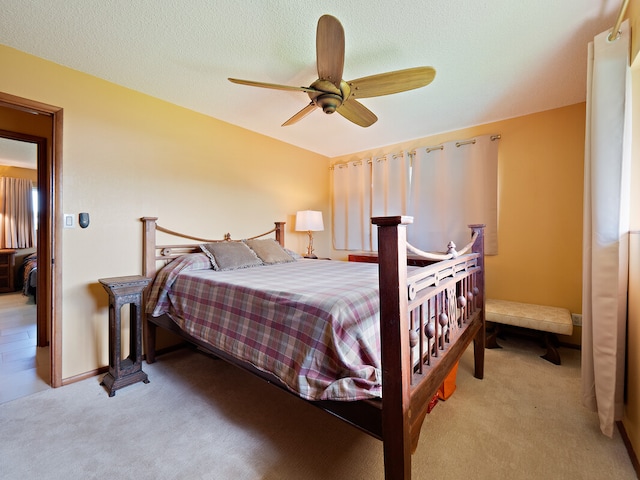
[[473, 140], [382, 158], [615, 31]]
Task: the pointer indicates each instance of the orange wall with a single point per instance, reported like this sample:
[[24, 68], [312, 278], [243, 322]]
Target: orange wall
[[540, 170], [16, 172]]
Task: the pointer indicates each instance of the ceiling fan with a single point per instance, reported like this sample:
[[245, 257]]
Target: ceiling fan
[[333, 94]]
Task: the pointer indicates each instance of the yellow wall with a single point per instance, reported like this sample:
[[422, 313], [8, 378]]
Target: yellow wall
[[540, 170], [128, 155]]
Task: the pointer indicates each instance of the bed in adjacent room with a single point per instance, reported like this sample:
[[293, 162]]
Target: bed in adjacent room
[[29, 275]]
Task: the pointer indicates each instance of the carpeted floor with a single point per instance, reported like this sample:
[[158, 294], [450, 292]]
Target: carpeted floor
[[200, 418]]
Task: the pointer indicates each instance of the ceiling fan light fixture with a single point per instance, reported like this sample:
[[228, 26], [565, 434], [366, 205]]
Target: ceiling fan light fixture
[[328, 102]]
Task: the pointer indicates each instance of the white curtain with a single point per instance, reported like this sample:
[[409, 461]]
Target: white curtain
[[390, 186], [445, 191], [16, 213], [352, 206], [454, 185], [606, 227]]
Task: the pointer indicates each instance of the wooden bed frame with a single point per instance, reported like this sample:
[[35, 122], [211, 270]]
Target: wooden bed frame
[[412, 368]]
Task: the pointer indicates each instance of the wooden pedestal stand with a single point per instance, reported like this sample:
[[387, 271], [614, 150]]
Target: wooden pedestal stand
[[123, 291]]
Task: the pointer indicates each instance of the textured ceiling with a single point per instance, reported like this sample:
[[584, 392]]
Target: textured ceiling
[[495, 59]]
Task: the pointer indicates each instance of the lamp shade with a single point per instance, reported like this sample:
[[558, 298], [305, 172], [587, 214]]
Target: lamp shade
[[309, 221]]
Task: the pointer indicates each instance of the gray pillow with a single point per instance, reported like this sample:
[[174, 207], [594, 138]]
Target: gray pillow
[[230, 255], [294, 255], [269, 251]]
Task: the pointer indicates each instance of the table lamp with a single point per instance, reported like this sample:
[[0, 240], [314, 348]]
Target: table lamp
[[309, 221]]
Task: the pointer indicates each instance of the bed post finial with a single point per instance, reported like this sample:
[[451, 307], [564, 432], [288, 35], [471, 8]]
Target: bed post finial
[[148, 270], [280, 232], [149, 246]]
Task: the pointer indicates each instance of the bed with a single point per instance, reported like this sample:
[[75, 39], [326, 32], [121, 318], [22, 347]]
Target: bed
[[29, 275], [375, 358]]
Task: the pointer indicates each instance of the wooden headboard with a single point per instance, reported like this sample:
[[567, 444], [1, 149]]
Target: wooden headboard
[[152, 252]]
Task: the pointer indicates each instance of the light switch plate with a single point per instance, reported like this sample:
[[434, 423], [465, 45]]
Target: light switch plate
[[68, 221]]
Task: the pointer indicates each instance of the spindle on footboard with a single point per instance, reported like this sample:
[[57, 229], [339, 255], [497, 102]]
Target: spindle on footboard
[[439, 309]]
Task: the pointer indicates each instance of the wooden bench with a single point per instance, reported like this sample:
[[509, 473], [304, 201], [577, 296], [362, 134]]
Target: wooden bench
[[548, 320]]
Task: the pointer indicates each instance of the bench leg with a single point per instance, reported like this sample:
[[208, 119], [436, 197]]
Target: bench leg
[[492, 337], [552, 355], [549, 340]]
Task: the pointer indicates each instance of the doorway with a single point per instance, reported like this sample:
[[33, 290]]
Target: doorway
[[36, 122]]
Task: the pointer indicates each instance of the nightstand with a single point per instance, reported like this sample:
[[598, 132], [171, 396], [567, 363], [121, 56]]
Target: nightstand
[[7, 267], [127, 371], [372, 257]]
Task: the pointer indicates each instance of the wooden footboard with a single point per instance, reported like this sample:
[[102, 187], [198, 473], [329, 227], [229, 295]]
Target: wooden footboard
[[428, 317], [427, 320]]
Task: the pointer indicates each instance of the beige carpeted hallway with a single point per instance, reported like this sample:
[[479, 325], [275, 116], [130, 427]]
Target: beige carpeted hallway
[[200, 418]]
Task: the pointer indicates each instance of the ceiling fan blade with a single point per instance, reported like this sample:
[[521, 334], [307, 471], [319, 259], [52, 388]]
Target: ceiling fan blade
[[391, 82], [273, 85], [330, 49], [300, 115], [357, 113]]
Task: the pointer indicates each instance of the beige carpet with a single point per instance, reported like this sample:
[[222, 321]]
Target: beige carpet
[[200, 418]]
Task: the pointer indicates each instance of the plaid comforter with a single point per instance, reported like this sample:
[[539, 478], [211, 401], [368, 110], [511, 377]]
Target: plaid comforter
[[312, 323]]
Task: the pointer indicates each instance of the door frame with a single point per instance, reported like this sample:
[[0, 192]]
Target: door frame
[[49, 228], [43, 327]]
